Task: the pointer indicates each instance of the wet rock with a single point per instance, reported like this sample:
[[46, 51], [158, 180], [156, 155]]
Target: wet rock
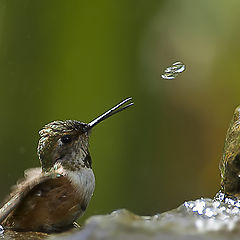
[[200, 219]]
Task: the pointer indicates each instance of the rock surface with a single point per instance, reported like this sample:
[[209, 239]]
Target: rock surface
[[200, 219]]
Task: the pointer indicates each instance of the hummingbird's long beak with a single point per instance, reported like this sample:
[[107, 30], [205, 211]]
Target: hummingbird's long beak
[[110, 112]]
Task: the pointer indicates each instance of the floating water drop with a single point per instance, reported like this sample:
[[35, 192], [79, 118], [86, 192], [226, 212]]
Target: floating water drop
[[172, 71]]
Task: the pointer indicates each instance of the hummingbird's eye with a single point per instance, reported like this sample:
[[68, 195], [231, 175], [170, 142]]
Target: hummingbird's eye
[[66, 139]]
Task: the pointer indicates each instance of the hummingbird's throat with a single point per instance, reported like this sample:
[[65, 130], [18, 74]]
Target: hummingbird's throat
[[75, 160]]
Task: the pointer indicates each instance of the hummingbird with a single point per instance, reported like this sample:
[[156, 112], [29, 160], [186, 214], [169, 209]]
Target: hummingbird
[[52, 197]]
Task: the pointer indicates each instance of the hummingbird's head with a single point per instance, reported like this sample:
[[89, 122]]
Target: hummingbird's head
[[65, 143]]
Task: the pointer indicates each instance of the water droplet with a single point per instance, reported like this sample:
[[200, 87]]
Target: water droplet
[[172, 71]]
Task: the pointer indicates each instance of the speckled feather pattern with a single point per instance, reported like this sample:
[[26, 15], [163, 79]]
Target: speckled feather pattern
[[49, 137]]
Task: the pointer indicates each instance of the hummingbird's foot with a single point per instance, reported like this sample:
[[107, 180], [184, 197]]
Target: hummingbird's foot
[[76, 225]]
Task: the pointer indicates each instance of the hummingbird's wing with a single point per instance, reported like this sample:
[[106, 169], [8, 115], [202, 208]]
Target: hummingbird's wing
[[32, 177]]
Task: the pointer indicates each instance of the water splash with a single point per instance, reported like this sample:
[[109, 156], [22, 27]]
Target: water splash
[[173, 71]]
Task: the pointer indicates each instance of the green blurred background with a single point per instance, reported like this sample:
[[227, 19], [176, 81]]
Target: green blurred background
[[75, 59]]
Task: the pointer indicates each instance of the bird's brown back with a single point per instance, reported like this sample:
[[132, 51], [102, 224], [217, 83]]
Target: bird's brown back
[[49, 206]]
